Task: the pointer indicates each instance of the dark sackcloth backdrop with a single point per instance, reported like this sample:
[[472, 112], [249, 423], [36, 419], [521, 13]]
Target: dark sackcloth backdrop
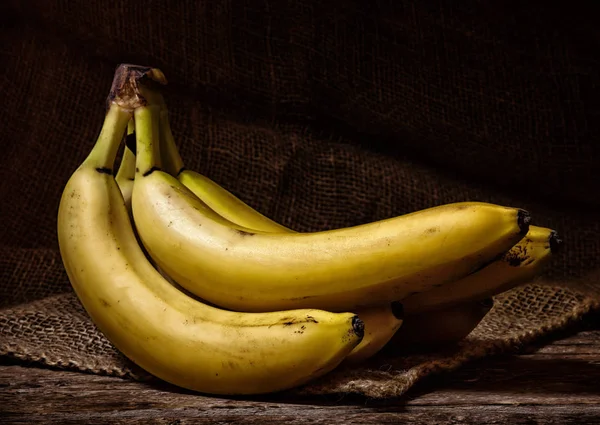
[[321, 115]]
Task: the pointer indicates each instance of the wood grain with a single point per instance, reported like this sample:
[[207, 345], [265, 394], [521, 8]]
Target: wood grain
[[555, 383]]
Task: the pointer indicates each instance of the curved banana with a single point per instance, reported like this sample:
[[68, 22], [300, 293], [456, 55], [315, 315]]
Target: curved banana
[[220, 200], [381, 322], [444, 326], [124, 178], [169, 334], [519, 265], [243, 270]]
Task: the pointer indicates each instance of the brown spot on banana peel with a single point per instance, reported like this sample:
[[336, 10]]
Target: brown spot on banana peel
[[104, 302], [288, 322], [244, 233], [313, 320], [516, 256], [302, 298], [431, 230], [104, 170], [301, 330]]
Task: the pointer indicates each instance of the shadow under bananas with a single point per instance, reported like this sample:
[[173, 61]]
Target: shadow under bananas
[[502, 372]]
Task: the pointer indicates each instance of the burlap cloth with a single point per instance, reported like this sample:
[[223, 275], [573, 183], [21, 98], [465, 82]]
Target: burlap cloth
[[320, 116]]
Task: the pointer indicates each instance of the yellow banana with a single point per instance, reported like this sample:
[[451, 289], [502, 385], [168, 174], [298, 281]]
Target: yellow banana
[[169, 334], [124, 178], [240, 269], [438, 327], [381, 322], [519, 265], [213, 195]]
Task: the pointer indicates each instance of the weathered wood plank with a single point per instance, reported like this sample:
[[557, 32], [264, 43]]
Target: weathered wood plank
[[555, 384]]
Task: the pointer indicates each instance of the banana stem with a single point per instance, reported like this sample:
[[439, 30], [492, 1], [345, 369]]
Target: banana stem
[[126, 170], [172, 160], [147, 136], [168, 158], [130, 126], [102, 156]]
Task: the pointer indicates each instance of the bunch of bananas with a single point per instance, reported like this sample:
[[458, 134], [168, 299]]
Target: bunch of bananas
[[203, 291]]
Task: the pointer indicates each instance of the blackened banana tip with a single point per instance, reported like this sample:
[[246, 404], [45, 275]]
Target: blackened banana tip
[[487, 303], [398, 310], [523, 220], [555, 242], [358, 326]]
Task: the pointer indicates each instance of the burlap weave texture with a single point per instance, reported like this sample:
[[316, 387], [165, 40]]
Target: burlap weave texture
[[320, 116]]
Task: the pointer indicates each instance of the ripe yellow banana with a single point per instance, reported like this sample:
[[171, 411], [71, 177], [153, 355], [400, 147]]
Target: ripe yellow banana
[[240, 269], [519, 265], [435, 328], [167, 333], [124, 178], [220, 200], [380, 322]]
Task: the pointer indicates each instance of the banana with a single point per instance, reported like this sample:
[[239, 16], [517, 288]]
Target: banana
[[519, 265], [433, 329], [381, 322], [220, 200], [338, 270], [124, 178], [172, 336]]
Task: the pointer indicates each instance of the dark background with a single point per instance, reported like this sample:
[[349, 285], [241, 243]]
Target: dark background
[[320, 114]]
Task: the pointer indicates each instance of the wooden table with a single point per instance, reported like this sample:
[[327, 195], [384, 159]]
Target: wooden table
[[557, 382]]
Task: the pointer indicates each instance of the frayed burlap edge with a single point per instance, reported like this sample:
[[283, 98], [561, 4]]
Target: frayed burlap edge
[[381, 378], [392, 384]]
